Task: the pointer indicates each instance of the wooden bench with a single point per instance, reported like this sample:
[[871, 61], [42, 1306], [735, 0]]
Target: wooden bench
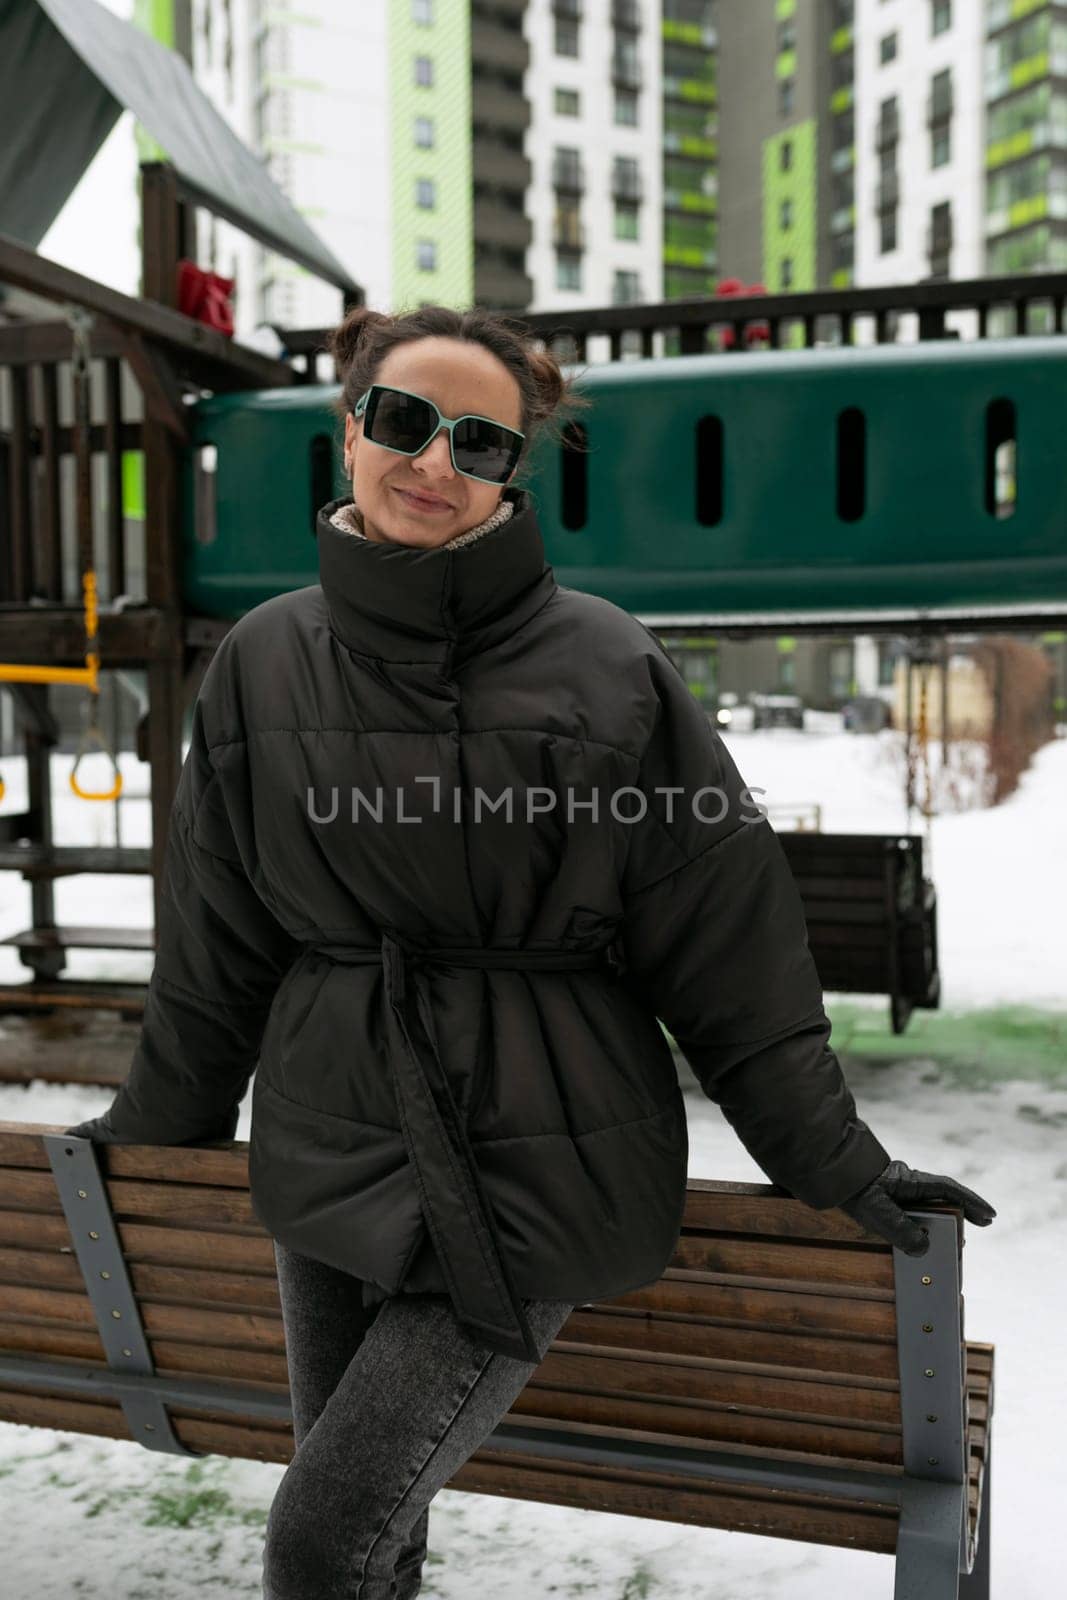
[[789, 1375], [871, 915]]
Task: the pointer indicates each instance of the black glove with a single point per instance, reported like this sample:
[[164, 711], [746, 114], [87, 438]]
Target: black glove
[[99, 1130], [876, 1208]]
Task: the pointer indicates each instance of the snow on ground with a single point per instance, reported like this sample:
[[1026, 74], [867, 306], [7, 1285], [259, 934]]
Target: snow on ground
[[98, 1518]]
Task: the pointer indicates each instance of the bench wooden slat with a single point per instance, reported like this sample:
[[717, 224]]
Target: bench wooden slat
[[770, 1309], [189, 1247], [243, 1441], [855, 1358], [222, 1164], [812, 1519], [801, 1262], [239, 1329], [718, 1384], [171, 1358], [238, 1290], [714, 1428], [191, 1202]]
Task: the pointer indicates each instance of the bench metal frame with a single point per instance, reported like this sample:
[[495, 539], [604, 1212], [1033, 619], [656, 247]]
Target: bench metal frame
[[931, 1494]]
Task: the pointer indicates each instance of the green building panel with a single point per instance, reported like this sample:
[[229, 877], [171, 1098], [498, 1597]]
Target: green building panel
[[796, 243], [447, 102], [156, 18]]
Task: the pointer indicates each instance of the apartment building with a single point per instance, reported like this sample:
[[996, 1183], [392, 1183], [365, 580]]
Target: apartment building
[[787, 143], [919, 140], [1025, 136]]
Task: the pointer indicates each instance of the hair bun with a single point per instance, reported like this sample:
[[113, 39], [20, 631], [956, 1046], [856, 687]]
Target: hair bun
[[343, 341]]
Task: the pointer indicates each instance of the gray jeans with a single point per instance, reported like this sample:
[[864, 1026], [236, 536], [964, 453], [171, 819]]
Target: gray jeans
[[388, 1403]]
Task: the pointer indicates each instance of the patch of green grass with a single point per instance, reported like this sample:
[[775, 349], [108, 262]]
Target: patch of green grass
[[972, 1048], [965, 1049], [638, 1585]]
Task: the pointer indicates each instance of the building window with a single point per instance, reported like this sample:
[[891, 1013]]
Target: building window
[[843, 69], [422, 12], [939, 244], [625, 220], [887, 48], [785, 272], [888, 123], [568, 272], [566, 102], [785, 214], [785, 156], [940, 16], [842, 14], [787, 35], [887, 232], [423, 72], [842, 252], [626, 290], [941, 146], [843, 130], [569, 234], [626, 107], [425, 194], [424, 132], [786, 96], [426, 255], [566, 44]]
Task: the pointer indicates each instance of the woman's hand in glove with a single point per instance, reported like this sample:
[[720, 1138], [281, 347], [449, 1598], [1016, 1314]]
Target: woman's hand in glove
[[99, 1130], [878, 1206]]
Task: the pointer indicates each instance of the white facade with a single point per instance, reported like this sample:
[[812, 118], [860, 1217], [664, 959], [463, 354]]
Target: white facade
[[919, 56], [598, 138], [307, 90]]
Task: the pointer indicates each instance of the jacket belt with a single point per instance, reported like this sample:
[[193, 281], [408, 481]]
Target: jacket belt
[[457, 1211]]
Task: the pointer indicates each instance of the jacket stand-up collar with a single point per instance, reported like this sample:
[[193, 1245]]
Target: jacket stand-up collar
[[398, 603]]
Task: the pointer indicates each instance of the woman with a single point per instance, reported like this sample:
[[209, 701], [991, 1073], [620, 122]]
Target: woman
[[434, 808]]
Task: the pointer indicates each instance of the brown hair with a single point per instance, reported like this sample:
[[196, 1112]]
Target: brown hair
[[365, 337]]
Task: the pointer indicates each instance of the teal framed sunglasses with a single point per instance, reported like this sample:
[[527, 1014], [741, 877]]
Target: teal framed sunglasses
[[406, 423]]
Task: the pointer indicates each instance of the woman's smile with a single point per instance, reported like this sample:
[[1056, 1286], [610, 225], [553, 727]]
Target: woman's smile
[[423, 503]]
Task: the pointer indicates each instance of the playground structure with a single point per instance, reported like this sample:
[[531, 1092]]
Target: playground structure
[[705, 541]]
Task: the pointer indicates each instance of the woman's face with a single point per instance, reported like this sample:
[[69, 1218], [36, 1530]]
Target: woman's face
[[459, 377]]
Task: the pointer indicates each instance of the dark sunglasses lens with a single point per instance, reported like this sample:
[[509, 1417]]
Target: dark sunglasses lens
[[485, 449], [400, 421], [403, 422]]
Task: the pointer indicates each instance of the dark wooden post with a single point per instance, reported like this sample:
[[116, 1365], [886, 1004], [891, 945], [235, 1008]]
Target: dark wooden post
[[166, 233]]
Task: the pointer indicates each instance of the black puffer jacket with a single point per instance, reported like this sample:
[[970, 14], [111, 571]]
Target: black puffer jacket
[[497, 1120]]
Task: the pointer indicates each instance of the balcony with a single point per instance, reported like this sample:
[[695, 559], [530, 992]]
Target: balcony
[[691, 91], [494, 163], [501, 227], [568, 177], [887, 132], [493, 106], [626, 72], [568, 233], [690, 202], [500, 288], [627, 185], [626, 15], [939, 108], [887, 194], [503, 49], [938, 240]]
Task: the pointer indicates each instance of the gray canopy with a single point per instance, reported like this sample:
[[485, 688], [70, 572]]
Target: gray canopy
[[68, 69]]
